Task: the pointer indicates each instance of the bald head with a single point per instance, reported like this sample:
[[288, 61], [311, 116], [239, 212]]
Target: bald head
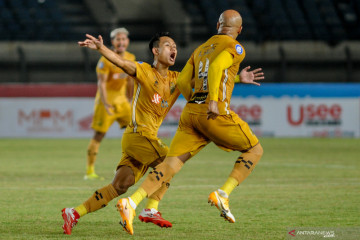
[[230, 23]]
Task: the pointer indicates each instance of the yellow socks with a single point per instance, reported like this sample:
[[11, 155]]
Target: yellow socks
[[246, 163], [138, 196], [161, 173], [98, 200], [91, 156], [81, 209], [229, 185], [152, 203]]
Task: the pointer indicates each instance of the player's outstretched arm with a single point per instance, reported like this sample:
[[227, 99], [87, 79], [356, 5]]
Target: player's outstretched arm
[[98, 44], [184, 81], [250, 77]]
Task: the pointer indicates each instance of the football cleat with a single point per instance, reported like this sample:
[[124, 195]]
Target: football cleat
[[222, 203], [154, 216], [127, 213], [92, 176], [70, 217]]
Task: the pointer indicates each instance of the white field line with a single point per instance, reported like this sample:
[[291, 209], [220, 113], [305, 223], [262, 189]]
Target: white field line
[[247, 185], [298, 165]]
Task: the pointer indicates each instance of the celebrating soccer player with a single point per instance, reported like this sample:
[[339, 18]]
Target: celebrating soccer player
[[155, 92], [207, 117], [112, 98]]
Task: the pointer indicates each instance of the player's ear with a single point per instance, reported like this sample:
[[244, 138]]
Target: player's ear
[[155, 51], [240, 29], [217, 25]]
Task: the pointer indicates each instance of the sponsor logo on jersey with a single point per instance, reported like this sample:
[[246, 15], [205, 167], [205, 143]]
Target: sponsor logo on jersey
[[156, 98], [101, 65], [140, 62], [239, 49], [199, 98]]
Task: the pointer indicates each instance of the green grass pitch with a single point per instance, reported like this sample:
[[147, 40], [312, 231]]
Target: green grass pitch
[[298, 183]]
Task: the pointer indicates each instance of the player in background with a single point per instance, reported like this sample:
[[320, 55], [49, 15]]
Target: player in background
[[155, 92], [207, 117], [112, 98]]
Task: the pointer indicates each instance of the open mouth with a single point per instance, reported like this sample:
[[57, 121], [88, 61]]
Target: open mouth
[[172, 57]]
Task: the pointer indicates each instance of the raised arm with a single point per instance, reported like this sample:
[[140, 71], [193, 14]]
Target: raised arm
[[98, 44]]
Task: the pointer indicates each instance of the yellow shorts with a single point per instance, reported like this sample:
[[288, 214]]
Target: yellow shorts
[[228, 132], [102, 121], [139, 152]]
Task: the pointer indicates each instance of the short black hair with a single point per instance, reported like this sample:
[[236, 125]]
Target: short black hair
[[155, 40]]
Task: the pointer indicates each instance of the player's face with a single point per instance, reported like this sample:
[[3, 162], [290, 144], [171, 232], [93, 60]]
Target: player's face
[[120, 42], [167, 51]]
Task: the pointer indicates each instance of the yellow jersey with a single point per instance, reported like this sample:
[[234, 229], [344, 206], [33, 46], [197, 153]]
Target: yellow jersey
[[201, 59], [153, 97], [116, 81]]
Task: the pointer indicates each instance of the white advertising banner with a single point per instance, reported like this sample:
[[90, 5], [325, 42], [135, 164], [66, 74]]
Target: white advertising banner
[[267, 116]]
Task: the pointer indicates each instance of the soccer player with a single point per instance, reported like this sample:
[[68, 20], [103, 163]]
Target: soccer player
[[207, 117], [155, 92], [112, 97]]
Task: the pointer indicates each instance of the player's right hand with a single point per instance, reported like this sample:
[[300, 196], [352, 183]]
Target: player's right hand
[[213, 110], [109, 109], [92, 42]]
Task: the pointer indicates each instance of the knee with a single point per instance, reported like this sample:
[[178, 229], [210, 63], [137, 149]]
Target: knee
[[121, 187], [258, 150], [98, 136], [174, 163]]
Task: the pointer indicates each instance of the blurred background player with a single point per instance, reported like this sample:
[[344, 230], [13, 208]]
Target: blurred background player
[[155, 93], [114, 92], [207, 117]]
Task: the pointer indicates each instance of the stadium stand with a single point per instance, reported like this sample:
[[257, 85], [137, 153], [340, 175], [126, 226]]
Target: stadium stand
[[38, 37]]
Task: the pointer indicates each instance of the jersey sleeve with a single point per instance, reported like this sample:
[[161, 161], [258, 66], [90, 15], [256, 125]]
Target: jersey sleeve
[[184, 79], [237, 51], [103, 66], [176, 92], [142, 72], [223, 61]]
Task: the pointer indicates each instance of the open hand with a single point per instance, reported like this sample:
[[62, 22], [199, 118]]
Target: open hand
[[250, 77], [109, 109]]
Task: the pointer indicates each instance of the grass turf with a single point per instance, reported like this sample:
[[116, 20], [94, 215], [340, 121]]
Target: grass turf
[[298, 183]]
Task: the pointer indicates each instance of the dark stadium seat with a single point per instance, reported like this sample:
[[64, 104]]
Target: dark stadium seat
[[297, 19], [331, 19], [317, 24]]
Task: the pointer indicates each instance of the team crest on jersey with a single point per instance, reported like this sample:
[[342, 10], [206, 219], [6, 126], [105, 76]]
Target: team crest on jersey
[[164, 104], [239, 49], [101, 65], [156, 98]]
